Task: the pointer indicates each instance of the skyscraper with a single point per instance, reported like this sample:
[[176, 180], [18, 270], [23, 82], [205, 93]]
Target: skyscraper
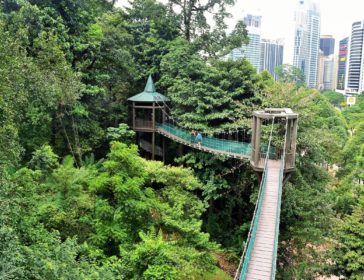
[[327, 48], [320, 70], [336, 69], [329, 72], [271, 56], [327, 44], [307, 39], [356, 59], [252, 51], [343, 57]]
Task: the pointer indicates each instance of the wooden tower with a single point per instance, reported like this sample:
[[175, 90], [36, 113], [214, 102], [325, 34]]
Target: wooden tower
[[148, 109], [258, 156]]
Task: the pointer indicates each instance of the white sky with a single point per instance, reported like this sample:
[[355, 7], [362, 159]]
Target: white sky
[[337, 17]]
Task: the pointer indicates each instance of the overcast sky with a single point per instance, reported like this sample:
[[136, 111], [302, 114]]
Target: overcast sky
[[277, 18]]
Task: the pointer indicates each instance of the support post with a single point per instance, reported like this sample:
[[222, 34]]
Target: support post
[[153, 116], [153, 133], [288, 151], [294, 141], [258, 123], [180, 150], [133, 115], [164, 149], [252, 159], [153, 145], [163, 114]]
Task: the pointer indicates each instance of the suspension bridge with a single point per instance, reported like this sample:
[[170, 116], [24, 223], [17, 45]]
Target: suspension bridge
[[259, 256]]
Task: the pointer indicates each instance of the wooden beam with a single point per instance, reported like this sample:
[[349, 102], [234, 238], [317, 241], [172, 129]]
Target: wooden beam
[[153, 145], [256, 156], [133, 115], [148, 107]]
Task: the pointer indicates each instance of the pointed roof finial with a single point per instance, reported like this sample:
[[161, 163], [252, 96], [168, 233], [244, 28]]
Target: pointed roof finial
[[149, 94], [149, 87]]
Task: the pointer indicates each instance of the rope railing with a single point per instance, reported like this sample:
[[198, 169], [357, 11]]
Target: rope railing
[[249, 244], [278, 211]]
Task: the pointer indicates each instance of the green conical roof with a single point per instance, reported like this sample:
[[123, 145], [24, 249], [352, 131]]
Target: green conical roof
[[149, 94]]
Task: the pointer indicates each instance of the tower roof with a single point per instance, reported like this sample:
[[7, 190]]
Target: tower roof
[[149, 94]]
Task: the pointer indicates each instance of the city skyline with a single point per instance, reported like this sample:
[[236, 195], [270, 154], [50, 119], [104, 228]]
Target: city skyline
[[263, 54], [336, 19], [278, 21]]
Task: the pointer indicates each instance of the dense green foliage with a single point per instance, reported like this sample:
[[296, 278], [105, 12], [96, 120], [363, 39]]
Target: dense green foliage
[[290, 74], [77, 200], [347, 251], [335, 98]]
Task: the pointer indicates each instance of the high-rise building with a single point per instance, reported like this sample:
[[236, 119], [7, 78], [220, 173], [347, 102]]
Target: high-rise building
[[343, 57], [327, 44], [307, 39], [320, 70], [251, 51], [329, 72], [356, 59], [336, 68], [327, 48], [271, 56]]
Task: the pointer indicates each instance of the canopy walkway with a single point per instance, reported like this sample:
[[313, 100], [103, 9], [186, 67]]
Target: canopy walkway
[[229, 148], [258, 261], [259, 257]]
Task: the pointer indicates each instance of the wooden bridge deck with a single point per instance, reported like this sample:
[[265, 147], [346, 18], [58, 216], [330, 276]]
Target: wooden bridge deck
[[201, 147], [260, 265]]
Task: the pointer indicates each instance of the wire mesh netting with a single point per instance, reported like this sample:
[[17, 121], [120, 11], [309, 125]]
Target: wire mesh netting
[[229, 146], [224, 145]]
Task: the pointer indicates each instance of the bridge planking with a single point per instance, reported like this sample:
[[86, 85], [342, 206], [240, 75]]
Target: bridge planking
[[260, 265]]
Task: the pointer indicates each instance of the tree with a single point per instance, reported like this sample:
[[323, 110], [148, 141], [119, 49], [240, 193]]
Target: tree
[[205, 96], [44, 159], [193, 23], [290, 74], [307, 215], [28, 250], [122, 133], [348, 251], [335, 98], [354, 114]]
